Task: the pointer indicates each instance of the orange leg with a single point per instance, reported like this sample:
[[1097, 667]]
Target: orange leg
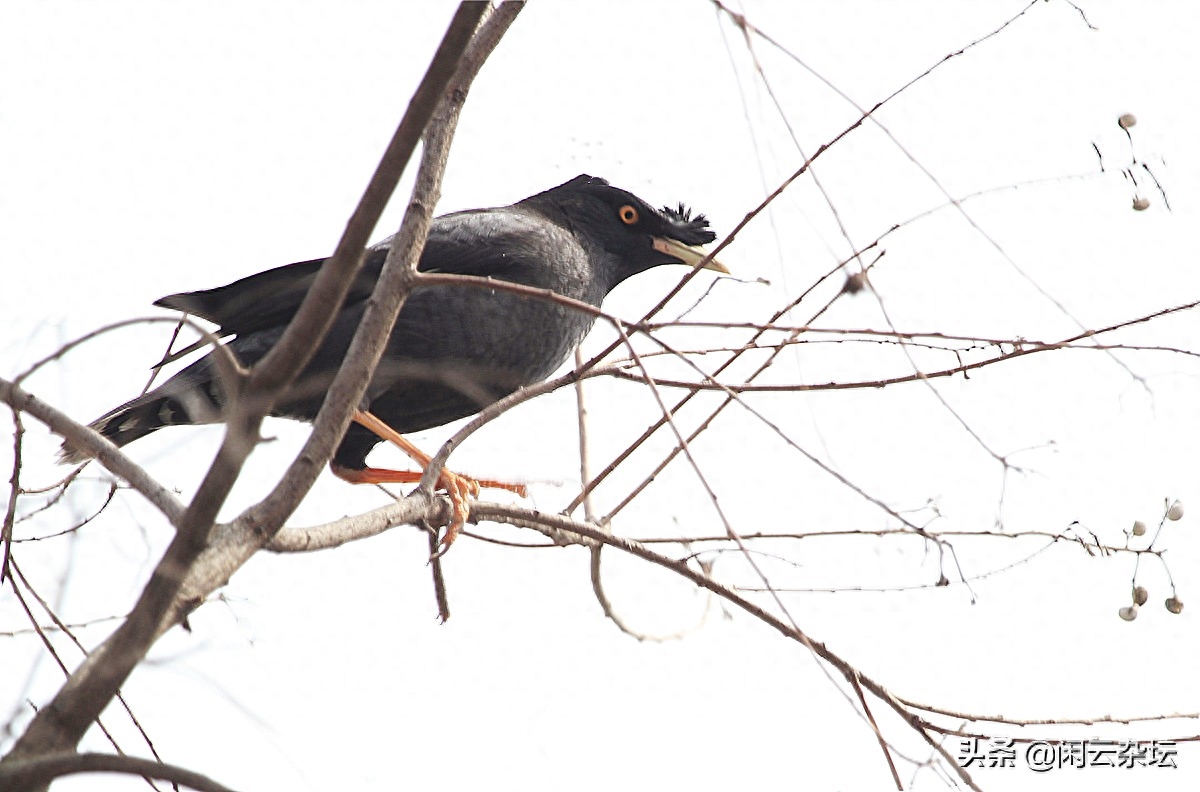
[[457, 486]]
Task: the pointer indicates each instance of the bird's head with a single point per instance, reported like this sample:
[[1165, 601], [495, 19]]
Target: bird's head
[[634, 234]]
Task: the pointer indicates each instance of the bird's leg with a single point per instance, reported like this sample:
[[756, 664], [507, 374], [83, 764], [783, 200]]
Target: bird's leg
[[380, 428], [457, 486]]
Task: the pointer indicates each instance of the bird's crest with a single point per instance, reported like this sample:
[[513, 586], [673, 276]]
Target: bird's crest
[[681, 218]]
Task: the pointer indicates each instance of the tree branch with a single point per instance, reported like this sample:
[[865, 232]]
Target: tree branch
[[41, 770], [233, 544], [84, 438], [62, 723], [565, 530]]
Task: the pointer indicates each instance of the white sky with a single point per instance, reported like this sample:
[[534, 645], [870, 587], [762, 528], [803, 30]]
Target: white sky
[[147, 149]]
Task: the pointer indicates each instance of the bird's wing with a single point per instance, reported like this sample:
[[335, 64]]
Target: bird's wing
[[267, 299], [488, 243]]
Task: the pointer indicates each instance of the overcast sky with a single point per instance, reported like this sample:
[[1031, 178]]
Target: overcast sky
[[147, 149]]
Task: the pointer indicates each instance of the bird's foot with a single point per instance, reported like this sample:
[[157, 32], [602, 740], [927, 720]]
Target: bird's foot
[[458, 487]]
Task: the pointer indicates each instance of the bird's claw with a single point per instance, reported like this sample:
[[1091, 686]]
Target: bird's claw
[[458, 488]]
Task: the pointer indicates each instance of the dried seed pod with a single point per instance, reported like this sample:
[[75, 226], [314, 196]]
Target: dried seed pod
[[1139, 528], [1175, 605], [1175, 512], [1140, 595], [1127, 120], [1141, 204], [1128, 613], [855, 283]]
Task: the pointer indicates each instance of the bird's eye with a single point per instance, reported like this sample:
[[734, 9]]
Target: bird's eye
[[628, 214]]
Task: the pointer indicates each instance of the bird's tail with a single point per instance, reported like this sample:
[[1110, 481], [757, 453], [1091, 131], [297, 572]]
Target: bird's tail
[[131, 421], [178, 402]]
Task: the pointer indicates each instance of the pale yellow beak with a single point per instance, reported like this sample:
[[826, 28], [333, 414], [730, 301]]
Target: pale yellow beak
[[687, 254]]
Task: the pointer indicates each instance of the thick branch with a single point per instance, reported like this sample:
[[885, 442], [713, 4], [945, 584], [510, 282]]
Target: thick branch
[[41, 770], [62, 723], [366, 347], [233, 544]]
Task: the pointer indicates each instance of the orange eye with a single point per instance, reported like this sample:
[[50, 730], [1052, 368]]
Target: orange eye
[[628, 214]]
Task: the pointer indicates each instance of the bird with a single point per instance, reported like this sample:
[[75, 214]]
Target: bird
[[453, 350]]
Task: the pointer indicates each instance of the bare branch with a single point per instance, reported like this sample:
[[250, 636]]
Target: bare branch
[[406, 511], [14, 491], [1076, 719], [61, 724], [108, 454], [233, 544], [41, 770], [592, 533], [392, 287]]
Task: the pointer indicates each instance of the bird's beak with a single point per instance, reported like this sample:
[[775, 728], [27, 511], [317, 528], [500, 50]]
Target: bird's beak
[[687, 254]]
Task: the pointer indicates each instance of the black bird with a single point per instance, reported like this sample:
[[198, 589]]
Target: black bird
[[454, 350]]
